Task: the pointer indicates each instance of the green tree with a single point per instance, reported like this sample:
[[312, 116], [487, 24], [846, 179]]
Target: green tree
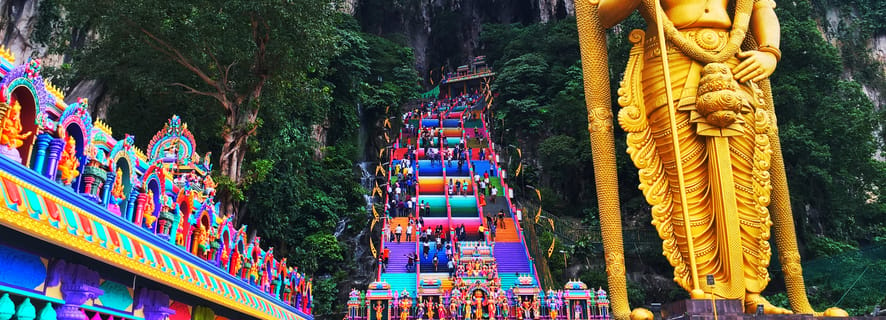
[[227, 55]]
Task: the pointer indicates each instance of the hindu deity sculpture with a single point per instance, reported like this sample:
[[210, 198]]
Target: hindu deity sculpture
[[526, 308], [234, 266], [405, 303], [420, 311], [287, 284], [701, 130], [503, 306], [215, 242], [166, 215], [453, 308], [209, 186], [68, 164], [441, 310], [117, 189], [477, 301], [379, 308], [429, 305], [148, 209], [577, 310], [11, 135]]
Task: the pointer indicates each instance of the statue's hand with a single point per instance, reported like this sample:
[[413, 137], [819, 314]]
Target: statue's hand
[[755, 66]]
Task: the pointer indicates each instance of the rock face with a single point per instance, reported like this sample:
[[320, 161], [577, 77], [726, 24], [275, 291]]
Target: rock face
[[18, 19], [447, 32]]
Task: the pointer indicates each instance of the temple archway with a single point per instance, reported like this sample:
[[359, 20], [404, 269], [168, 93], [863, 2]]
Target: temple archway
[[75, 131], [126, 174], [28, 119]]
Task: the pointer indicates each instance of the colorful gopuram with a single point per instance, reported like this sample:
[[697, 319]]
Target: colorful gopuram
[[452, 245], [92, 227]]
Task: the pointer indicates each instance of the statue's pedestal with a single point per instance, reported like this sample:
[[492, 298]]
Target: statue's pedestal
[[11, 153], [702, 309], [728, 310]]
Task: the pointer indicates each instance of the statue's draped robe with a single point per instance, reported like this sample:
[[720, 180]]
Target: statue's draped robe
[[645, 117]]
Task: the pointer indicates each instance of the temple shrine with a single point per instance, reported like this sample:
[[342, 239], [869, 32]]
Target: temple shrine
[[95, 228]]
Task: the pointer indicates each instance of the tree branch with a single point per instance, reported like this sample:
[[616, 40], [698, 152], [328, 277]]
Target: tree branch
[[178, 57], [217, 96]]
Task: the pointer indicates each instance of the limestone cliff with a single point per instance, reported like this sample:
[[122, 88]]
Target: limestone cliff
[[447, 32], [18, 21]]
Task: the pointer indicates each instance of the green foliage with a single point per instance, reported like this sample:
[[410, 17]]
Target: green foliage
[[820, 246]]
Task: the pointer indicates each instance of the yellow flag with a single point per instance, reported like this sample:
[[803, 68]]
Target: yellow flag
[[375, 215], [552, 224], [372, 248], [387, 123], [519, 168], [387, 138]]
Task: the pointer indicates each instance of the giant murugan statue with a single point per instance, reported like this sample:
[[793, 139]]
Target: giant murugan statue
[[697, 107]]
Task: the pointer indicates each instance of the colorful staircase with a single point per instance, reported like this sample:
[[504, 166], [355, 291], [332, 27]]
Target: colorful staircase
[[451, 210]]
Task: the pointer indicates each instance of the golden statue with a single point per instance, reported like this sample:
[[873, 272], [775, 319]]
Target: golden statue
[[11, 135], [148, 209], [698, 111], [117, 189], [68, 162]]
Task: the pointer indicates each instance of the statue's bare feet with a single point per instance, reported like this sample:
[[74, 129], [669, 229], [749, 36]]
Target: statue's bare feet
[[751, 301]]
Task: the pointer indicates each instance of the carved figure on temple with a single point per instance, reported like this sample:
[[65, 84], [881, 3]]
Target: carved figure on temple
[[577, 313], [405, 304], [202, 241], [246, 270], [698, 112], [117, 189], [236, 261], [287, 284], [441, 310], [503, 306], [148, 209], [420, 311], [453, 308], [166, 216], [536, 307], [253, 272], [68, 164], [477, 303], [209, 186], [11, 135], [526, 307], [378, 310], [430, 306], [214, 243]]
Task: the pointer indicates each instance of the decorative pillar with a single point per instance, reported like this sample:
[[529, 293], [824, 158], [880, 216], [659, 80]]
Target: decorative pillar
[[55, 149], [130, 204], [154, 304], [110, 179], [139, 206], [40, 147], [79, 284], [88, 179]]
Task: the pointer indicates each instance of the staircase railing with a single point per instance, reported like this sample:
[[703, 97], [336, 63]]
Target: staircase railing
[[511, 206]]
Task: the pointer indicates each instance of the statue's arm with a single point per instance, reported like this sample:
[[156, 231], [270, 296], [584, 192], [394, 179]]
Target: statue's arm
[[764, 24], [759, 64], [614, 11]]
